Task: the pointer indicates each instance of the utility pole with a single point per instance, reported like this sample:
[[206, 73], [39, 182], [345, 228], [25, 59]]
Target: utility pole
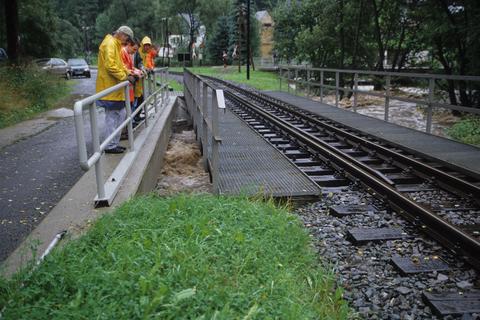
[[168, 46], [248, 39]]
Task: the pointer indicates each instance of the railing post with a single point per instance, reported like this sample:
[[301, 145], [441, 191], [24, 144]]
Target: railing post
[[145, 89], [96, 148], [296, 81], [128, 109], [308, 81], [214, 141], [337, 88], [288, 79], [388, 79], [205, 127], [280, 76], [145, 111], [321, 85], [355, 93], [150, 83], [431, 92], [198, 102], [155, 101]]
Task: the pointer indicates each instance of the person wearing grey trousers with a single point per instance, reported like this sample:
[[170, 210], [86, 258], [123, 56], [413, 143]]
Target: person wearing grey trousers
[[115, 114]]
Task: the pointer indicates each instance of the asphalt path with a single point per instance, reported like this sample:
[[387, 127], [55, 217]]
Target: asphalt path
[[36, 172]]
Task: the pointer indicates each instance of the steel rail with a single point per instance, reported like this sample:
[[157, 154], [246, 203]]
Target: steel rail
[[445, 180], [444, 232]]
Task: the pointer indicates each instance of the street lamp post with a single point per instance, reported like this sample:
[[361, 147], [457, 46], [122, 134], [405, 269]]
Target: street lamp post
[[166, 43], [248, 39], [86, 47]]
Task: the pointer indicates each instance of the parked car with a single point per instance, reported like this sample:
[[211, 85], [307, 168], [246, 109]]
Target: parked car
[[55, 66], [79, 67], [3, 54]]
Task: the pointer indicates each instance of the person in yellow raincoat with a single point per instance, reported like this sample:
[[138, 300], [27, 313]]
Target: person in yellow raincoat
[[112, 71], [140, 62]]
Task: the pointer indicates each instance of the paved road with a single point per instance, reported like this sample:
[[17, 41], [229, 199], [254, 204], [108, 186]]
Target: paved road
[[35, 174]]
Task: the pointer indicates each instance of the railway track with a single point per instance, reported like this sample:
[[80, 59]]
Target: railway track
[[337, 158]]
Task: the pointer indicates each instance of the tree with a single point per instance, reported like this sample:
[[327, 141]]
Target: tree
[[39, 27], [219, 40], [449, 29], [12, 28], [188, 9]]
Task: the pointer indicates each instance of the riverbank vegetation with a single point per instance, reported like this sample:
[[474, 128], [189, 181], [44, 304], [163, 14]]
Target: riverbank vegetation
[[467, 130], [387, 35]]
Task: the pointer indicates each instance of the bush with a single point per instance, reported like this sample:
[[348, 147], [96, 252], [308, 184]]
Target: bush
[[184, 257], [467, 130], [27, 90]]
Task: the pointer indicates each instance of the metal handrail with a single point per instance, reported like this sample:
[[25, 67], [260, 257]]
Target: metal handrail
[[387, 73], [106, 191], [387, 95], [199, 96]]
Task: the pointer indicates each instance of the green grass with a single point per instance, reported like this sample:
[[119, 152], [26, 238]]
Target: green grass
[[27, 91], [467, 130], [260, 80], [185, 257], [175, 85]]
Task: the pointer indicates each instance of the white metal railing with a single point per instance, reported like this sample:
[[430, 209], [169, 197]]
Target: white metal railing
[[155, 96], [294, 75], [203, 102]]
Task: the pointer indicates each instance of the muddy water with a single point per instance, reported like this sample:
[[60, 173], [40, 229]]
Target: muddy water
[[183, 170], [402, 113]]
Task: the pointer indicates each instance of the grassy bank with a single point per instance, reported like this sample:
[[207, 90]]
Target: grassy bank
[[27, 91], [260, 80], [187, 257], [176, 86], [467, 130]]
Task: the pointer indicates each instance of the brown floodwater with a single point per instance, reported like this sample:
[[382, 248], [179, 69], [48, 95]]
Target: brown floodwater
[[402, 113], [183, 170]]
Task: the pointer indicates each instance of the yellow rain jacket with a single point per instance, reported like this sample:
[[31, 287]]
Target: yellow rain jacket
[[111, 69], [143, 55]]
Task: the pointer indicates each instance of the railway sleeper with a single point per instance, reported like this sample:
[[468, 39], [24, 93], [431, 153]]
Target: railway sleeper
[[317, 171], [286, 147], [369, 160], [453, 303], [361, 236], [296, 154], [307, 162], [401, 178], [472, 229], [330, 181], [340, 145], [264, 131], [416, 187], [385, 168], [354, 153], [278, 140]]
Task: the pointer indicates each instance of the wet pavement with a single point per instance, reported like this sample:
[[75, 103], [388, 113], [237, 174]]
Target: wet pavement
[[36, 173]]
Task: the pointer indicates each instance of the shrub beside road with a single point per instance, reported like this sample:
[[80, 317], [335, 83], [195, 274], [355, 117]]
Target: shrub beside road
[[26, 91]]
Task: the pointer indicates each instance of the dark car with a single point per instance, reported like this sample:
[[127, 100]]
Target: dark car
[[55, 66], [79, 67], [3, 54]]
